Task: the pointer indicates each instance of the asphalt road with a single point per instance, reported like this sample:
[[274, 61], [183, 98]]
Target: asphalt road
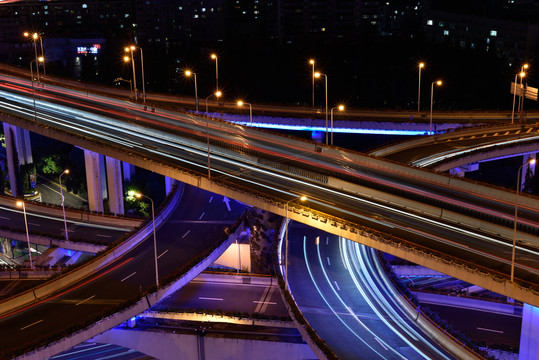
[[225, 296], [192, 229], [347, 319], [295, 165]]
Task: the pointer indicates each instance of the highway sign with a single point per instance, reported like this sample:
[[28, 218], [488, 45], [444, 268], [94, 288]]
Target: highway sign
[[528, 91]]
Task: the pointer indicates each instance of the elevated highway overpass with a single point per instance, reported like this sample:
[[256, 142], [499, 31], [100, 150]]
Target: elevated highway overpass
[[457, 227]]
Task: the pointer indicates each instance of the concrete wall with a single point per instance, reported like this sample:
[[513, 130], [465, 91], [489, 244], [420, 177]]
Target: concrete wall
[[170, 346]]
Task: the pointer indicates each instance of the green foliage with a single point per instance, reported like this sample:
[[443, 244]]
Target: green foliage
[[50, 164]]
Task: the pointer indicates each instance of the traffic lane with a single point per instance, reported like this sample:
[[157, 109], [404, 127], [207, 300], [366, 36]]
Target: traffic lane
[[320, 305], [50, 194], [384, 299], [124, 279], [361, 319], [359, 171], [13, 218], [482, 327], [225, 296], [213, 163], [407, 156]]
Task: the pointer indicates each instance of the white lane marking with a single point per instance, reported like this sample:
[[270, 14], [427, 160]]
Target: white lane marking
[[100, 235], [329, 263], [211, 198], [5, 218], [227, 202], [163, 253], [491, 330], [337, 285], [200, 217], [379, 342], [83, 301], [327, 240], [209, 298], [184, 235], [34, 224], [264, 302], [51, 189], [128, 276], [32, 324]]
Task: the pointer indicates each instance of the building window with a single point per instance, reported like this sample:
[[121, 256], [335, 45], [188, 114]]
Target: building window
[[429, 22], [446, 32], [440, 23], [493, 33]]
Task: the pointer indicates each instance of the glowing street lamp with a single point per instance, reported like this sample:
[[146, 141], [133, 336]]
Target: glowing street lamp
[[439, 83], [521, 74], [138, 196], [66, 171], [132, 48], [188, 73], [39, 59], [421, 66], [214, 57], [341, 108], [312, 63], [217, 94], [21, 203], [523, 69], [36, 36], [301, 198], [317, 75], [240, 103], [530, 161], [127, 59]]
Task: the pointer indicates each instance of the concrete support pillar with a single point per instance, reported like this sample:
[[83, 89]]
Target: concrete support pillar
[[529, 340], [115, 186], [528, 171], [94, 177], [169, 183], [15, 180], [128, 170]]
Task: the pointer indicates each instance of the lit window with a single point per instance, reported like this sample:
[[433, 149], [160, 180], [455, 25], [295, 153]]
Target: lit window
[[440, 23], [84, 6], [429, 22], [446, 32], [195, 16], [493, 33]]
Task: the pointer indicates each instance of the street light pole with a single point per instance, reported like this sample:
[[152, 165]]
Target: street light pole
[[439, 83], [521, 74], [240, 103], [130, 50], [216, 94], [154, 238], [317, 74], [301, 198], [421, 66], [530, 161], [21, 203], [341, 108], [214, 57], [66, 171], [521, 97], [32, 79], [312, 63], [189, 73], [34, 37]]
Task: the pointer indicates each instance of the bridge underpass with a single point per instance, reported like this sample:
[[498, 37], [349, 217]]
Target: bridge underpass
[[319, 219]]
